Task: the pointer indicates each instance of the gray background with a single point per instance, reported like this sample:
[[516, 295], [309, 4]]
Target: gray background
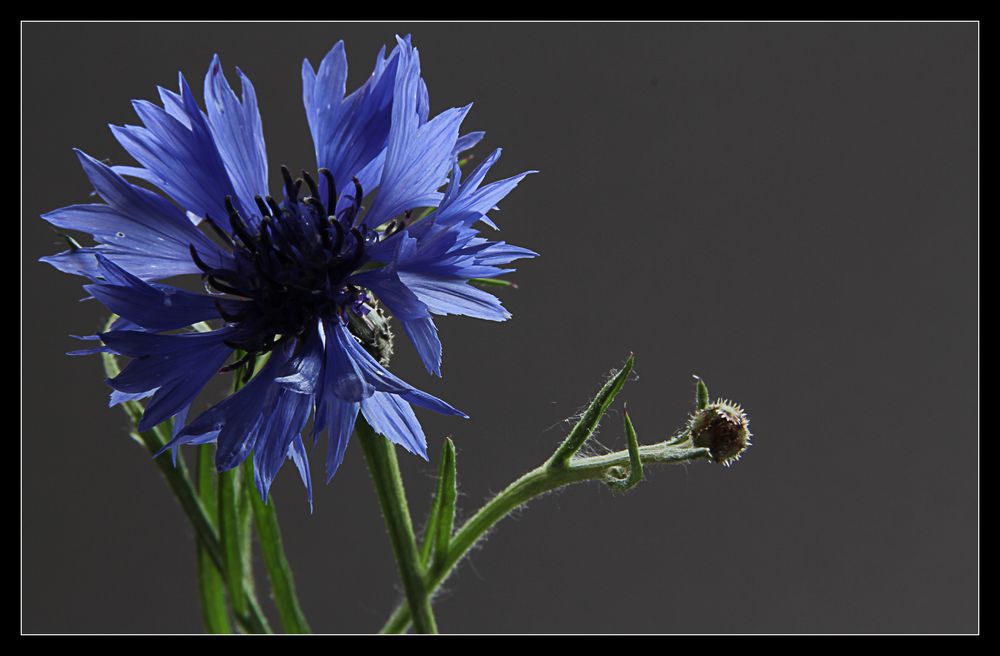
[[789, 210]]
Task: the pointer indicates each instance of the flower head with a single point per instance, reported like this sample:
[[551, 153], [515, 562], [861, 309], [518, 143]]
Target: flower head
[[305, 278]]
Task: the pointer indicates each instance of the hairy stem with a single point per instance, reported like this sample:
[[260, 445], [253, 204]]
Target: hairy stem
[[179, 481], [293, 620], [232, 538], [380, 455], [253, 620], [608, 468]]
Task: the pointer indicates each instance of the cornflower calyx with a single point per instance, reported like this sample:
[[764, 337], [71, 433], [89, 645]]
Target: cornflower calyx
[[373, 331]]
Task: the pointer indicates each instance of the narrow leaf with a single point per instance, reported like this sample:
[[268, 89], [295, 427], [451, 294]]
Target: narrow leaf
[[430, 528], [634, 460], [588, 422], [493, 282], [446, 495]]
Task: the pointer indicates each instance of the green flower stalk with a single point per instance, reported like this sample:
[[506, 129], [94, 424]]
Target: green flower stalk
[[620, 471]]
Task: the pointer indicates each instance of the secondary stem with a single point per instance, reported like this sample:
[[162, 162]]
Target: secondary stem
[[180, 484], [536, 482], [380, 455], [179, 481], [293, 620], [229, 531]]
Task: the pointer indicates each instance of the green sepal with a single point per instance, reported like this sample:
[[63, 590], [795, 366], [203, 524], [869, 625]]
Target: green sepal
[[701, 394]]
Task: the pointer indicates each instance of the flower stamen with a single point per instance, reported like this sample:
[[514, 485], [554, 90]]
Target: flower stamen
[[287, 266]]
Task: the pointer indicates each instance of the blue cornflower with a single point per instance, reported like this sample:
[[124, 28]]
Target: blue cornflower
[[302, 280]]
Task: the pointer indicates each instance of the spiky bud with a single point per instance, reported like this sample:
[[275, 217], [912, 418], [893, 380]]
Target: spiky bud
[[722, 427], [374, 333]]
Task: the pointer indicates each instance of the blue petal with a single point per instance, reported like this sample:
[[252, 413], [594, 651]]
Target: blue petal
[[159, 307], [345, 375], [348, 133], [502, 253], [137, 229], [454, 296], [418, 157], [342, 418], [372, 376], [425, 400], [467, 141], [393, 418], [284, 422], [178, 365], [303, 372], [386, 284], [179, 420], [179, 155], [297, 454], [237, 420], [238, 133], [423, 334], [122, 397], [468, 203]]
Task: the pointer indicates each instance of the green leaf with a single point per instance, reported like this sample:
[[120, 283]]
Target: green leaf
[[634, 459], [493, 282], [592, 416], [293, 620], [430, 528], [430, 532], [447, 493], [74, 245]]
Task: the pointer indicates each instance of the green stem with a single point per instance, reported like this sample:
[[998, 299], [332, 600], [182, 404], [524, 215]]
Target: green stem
[[380, 455], [548, 477], [246, 490], [180, 484], [210, 581], [293, 620], [179, 481], [229, 532]]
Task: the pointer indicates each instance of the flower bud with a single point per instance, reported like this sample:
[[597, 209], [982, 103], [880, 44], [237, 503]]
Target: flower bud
[[373, 331], [723, 429]]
